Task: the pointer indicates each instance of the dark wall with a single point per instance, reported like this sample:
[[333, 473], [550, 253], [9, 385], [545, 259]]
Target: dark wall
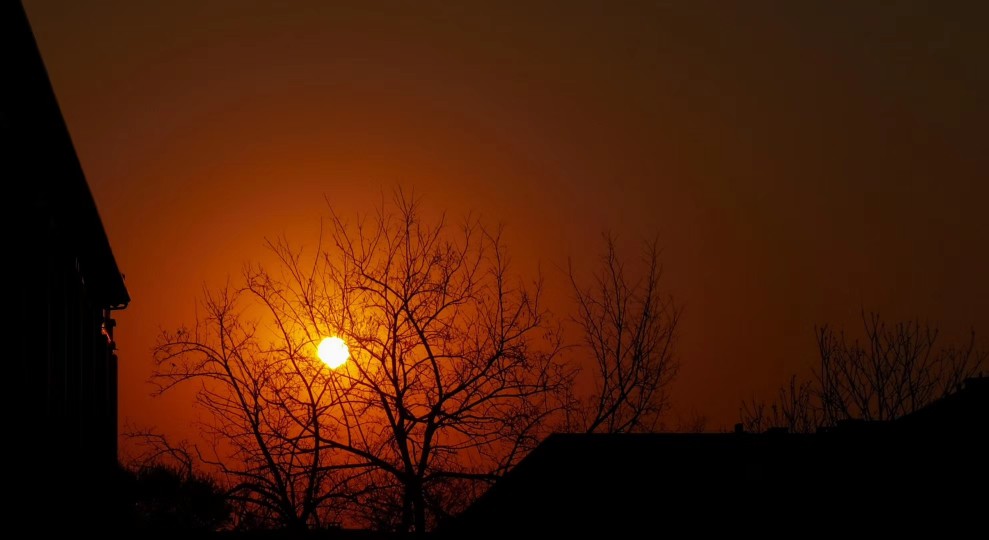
[[61, 404]]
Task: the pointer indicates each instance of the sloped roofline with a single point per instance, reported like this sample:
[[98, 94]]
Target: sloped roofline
[[53, 179]]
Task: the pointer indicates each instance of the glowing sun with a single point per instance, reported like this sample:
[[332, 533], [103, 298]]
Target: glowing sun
[[333, 352]]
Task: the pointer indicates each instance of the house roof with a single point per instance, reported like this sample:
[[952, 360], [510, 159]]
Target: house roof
[[46, 184], [573, 482], [965, 409], [881, 474]]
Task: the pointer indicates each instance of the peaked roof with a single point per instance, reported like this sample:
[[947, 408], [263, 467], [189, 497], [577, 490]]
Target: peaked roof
[[46, 181]]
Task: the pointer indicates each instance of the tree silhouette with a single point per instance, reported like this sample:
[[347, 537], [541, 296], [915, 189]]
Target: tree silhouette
[[160, 490], [262, 403], [793, 409], [630, 327], [897, 369], [454, 372], [168, 499]]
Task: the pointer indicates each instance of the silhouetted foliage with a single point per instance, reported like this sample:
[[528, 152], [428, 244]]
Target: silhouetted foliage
[[163, 492], [454, 373], [170, 500], [160, 498], [897, 369], [630, 328]]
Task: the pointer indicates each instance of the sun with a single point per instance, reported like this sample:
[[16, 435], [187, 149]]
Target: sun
[[333, 352]]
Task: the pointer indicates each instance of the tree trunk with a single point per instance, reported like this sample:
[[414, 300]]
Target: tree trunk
[[406, 511], [414, 498]]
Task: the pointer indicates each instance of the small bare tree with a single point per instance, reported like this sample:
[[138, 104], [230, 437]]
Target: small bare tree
[[898, 369], [630, 329], [151, 448], [453, 374], [794, 409], [895, 370]]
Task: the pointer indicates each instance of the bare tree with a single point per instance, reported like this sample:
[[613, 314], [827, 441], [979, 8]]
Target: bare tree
[[794, 409], [895, 370], [454, 371], [630, 329], [152, 448], [263, 398], [898, 369]]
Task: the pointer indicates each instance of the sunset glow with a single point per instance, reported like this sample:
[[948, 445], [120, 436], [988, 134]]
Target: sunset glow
[[333, 352], [758, 147]]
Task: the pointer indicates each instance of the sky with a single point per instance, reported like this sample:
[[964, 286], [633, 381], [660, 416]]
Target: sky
[[797, 161]]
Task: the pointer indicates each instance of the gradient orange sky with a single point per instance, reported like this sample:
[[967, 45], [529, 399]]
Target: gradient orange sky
[[797, 160]]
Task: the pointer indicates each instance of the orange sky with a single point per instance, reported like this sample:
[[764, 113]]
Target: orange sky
[[796, 163]]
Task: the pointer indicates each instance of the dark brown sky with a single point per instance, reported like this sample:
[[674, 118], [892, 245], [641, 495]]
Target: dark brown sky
[[798, 160]]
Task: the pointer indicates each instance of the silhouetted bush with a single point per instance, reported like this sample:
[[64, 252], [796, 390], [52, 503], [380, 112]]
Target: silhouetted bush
[[161, 498]]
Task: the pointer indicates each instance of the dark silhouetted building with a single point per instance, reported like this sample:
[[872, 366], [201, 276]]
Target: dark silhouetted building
[[924, 472], [62, 371]]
